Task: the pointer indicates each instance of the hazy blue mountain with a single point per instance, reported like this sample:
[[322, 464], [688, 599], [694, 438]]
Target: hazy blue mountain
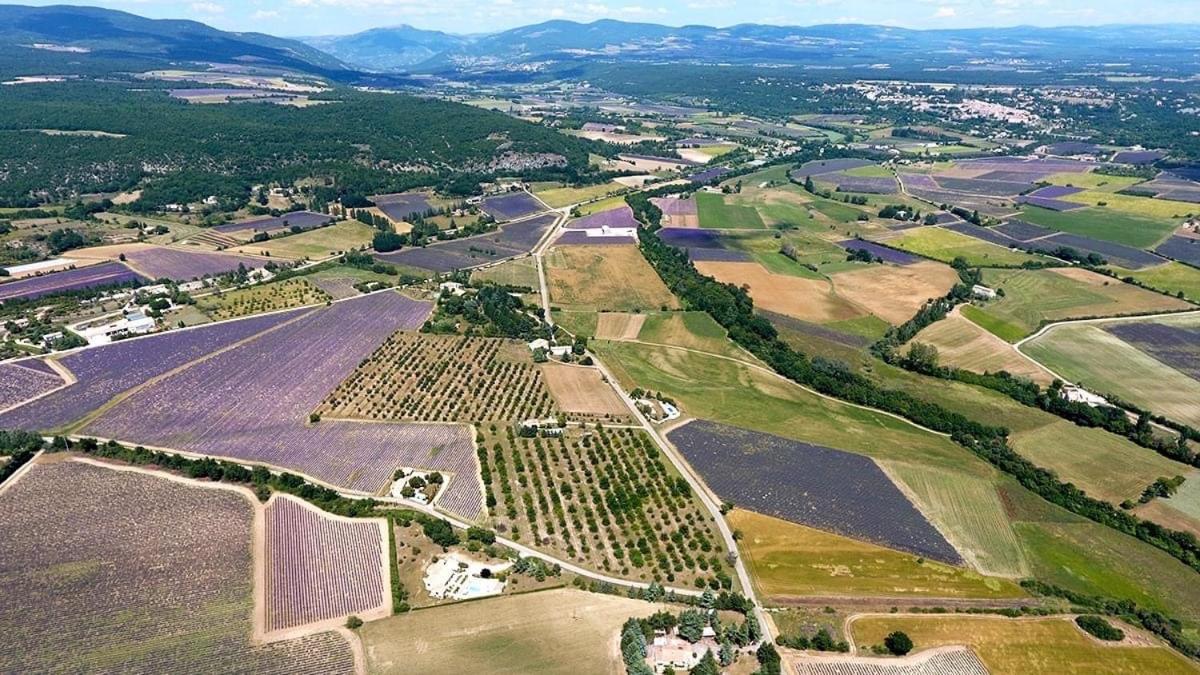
[[384, 49], [110, 34]]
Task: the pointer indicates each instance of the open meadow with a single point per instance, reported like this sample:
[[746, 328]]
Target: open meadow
[[1026, 646], [1035, 297], [1172, 278], [1087, 354], [314, 244], [1131, 229], [944, 245], [721, 213], [558, 632]]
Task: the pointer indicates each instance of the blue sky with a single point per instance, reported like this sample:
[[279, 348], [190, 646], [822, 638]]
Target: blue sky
[[316, 17]]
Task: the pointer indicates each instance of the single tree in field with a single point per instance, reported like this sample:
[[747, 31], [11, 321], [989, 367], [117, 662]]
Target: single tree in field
[[898, 643]]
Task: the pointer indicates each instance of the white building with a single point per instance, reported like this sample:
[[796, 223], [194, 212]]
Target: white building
[[983, 292], [452, 288], [457, 577], [134, 323], [1076, 394], [676, 653]]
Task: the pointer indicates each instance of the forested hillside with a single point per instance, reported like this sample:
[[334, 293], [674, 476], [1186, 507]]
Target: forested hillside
[[367, 142]]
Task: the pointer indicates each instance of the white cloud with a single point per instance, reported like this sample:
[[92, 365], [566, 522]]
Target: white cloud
[[945, 12], [207, 8]]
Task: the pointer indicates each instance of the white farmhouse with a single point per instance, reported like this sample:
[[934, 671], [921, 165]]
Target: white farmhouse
[[984, 292], [1076, 394]]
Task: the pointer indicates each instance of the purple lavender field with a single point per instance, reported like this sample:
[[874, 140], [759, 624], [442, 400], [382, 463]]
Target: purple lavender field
[[621, 216], [709, 175], [1125, 256], [1176, 346], [1055, 191], [510, 240], [20, 383], [251, 403], [1138, 156], [178, 265], [107, 371], [319, 566], [305, 220], [987, 234], [1048, 203], [686, 237], [1032, 167], [822, 166], [987, 188], [819, 487], [717, 255], [1022, 231], [919, 181], [512, 205], [890, 255], [581, 238], [401, 206], [93, 276], [675, 207], [866, 185], [1182, 249], [133, 573]]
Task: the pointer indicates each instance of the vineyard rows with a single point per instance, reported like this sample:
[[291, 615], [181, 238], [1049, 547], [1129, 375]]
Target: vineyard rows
[[604, 499], [435, 378], [143, 575], [320, 567]]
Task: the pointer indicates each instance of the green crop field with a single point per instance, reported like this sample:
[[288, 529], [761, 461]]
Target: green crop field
[[716, 213], [690, 330], [319, 243], [726, 391], [786, 559], [944, 245], [1034, 297], [1046, 646], [515, 272], [1003, 329], [968, 511], [565, 196], [1144, 206], [1086, 457], [872, 171], [836, 211], [1087, 354], [1173, 278], [1119, 227], [1094, 181], [606, 204]]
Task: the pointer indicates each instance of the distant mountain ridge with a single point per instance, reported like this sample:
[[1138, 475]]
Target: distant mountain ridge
[[832, 45], [121, 34]]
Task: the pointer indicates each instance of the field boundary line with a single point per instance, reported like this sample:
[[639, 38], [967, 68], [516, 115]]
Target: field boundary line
[[1108, 319], [16, 476], [125, 395], [772, 373], [67, 376]]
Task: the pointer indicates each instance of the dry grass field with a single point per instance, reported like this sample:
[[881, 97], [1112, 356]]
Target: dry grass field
[[515, 272], [963, 344], [895, 293], [787, 559], [321, 242], [1026, 646], [286, 294], [605, 499], [440, 378], [614, 278], [582, 390], [806, 299], [619, 325], [557, 632], [1089, 457]]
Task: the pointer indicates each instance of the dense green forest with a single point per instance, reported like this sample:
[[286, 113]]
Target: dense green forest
[[366, 142]]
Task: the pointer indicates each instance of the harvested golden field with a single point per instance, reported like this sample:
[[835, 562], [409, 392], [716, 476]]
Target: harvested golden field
[[612, 277], [806, 299], [557, 632], [786, 559], [1025, 646], [582, 390], [895, 293], [441, 378], [286, 294], [962, 343], [619, 325]]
